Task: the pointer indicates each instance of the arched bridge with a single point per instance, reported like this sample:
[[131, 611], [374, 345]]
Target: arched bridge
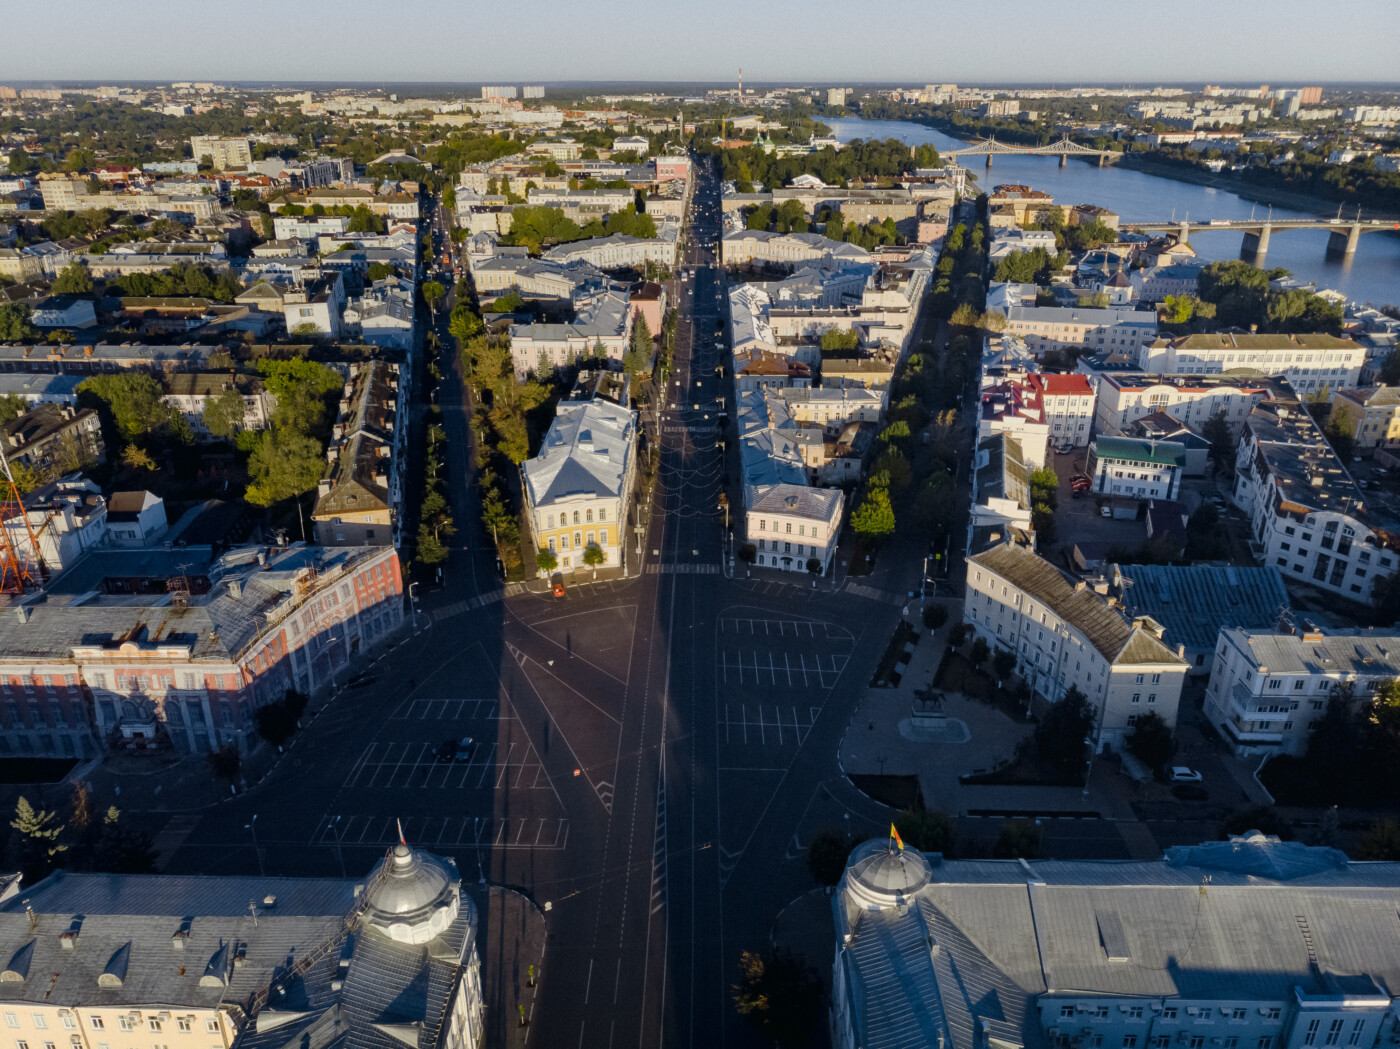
[[1064, 149], [1345, 233]]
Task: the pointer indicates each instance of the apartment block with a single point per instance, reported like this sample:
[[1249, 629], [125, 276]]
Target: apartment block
[[225, 153], [1309, 362]]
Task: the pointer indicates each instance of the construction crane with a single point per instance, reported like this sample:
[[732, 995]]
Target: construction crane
[[19, 570]]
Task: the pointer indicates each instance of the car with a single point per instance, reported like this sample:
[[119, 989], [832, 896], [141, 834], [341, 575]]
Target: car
[[558, 590], [1182, 774], [466, 750], [361, 680], [1105, 511], [1189, 792]]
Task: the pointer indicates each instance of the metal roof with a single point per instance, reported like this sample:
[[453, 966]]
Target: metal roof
[[1194, 602]]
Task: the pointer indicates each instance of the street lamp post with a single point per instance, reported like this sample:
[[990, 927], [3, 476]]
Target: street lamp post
[[339, 853], [1089, 763], [413, 603], [253, 826]]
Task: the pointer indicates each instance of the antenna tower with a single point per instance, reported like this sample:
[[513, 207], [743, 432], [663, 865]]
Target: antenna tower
[[18, 570]]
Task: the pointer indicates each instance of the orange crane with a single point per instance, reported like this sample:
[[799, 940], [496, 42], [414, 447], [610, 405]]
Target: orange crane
[[19, 570]]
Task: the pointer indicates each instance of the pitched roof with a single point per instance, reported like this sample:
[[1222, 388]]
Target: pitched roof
[[1116, 638], [587, 451], [1140, 450]]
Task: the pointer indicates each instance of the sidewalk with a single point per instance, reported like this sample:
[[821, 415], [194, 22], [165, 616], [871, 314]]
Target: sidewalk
[[511, 940]]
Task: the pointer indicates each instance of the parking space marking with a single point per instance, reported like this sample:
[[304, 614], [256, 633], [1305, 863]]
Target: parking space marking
[[515, 832], [420, 766], [787, 727], [446, 710], [760, 667]]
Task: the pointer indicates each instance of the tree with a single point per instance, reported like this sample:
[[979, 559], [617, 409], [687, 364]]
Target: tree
[[873, 520], [1003, 663], [1178, 309], [14, 322], [74, 280], [935, 615], [546, 560], [224, 413], [925, 830], [639, 347], [225, 763], [980, 652], [1152, 741], [1216, 430], [285, 463], [826, 856], [1381, 841], [1062, 733], [39, 846], [431, 549], [1019, 840], [593, 557], [121, 849], [18, 161], [12, 406], [433, 292], [837, 340], [133, 401], [779, 995], [137, 458]]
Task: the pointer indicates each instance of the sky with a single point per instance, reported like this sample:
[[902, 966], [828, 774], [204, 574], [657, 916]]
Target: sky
[[816, 41]]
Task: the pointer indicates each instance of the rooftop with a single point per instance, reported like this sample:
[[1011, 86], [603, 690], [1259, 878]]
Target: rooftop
[[1195, 602]]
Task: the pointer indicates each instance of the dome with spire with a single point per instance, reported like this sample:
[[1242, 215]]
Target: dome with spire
[[878, 875], [412, 896]]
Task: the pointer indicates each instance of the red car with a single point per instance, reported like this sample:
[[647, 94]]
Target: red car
[[1080, 483], [558, 589]]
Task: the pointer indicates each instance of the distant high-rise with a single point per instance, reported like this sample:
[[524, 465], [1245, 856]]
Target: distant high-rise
[[532, 91], [223, 153], [497, 92]]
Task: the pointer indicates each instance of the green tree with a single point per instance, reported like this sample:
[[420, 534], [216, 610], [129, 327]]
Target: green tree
[[779, 995], [1178, 309], [74, 280], [1003, 665], [12, 406], [546, 560], [14, 322], [639, 348], [837, 340], [304, 390], [284, 464], [980, 652], [224, 413], [121, 849], [1060, 736], [431, 549], [464, 323], [873, 520], [1151, 740], [433, 293], [926, 830], [225, 763], [18, 161], [593, 557], [39, 832], [1216, 430], [133, 401]]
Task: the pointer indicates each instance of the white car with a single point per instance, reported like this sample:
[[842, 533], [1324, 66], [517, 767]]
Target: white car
[[1181, 774]]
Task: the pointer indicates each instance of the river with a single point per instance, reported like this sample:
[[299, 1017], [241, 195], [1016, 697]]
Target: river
[[1372, 276]]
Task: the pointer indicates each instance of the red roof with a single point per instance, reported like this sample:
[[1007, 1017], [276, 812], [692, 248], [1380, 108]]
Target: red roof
[[1060, 384]]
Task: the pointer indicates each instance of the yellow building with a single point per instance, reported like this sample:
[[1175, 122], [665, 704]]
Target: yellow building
[[577, 489], [1371, 416]]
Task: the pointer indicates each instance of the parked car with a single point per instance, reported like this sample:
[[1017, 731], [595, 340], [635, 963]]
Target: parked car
[[1182, 774], [1081, 482], [558, 589], [360, 680], [466, 749], [1105, 511]]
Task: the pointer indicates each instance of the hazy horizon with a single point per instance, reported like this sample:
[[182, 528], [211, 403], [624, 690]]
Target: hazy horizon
[[1064, 42]]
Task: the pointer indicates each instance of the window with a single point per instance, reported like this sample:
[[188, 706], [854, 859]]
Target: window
[[1130, 1041], [1162, 1041], [1273, 1013], [212, 1026], [1169, 1012], [40, 1024], [68, 1021], [1334, 1032], [1100, 1012], [1197, 1041], [1356, 1028], [1135, 1012], [1066, 1012], [1237, 1014], [97, 1024], [1152, 697], [20, 1043], [154, 1024], [1267, 1042], [183, 1023], [1232, 1042], [124, 1022], [1310, 1038]]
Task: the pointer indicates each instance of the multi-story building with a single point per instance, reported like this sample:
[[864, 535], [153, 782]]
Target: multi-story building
[[1267, 687], [1013, 408], [1370, 414], [54, 439], [358, 499], [601, 326], [194, 962], [90, 667], [223, 153], [591, 203], [794, 528], [315, 306], [1067, 634], [1137, 468], [1067, 406], [746, 247], [20, 266], [384, 314], [620, 250], [1307, 514], [1257, 942], [1310, 363], [1155, 283], [189, 393], [578, 489], [833, 407], [1125, 397], [308, 227], [1001, 493], [1060, 327]]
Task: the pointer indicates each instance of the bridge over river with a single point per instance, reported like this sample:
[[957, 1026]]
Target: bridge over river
[[1345, 233]]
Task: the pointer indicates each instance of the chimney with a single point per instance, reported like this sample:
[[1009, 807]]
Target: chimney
[[235, 589], [22, 614]]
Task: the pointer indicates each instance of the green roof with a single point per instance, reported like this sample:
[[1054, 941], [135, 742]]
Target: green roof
[[1138, 450]]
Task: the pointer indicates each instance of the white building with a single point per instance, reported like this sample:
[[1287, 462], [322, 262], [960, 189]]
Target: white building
[[745, 247], [1066, 635], [1309, 362], [601, 327], [225, 153], [1008, 241], [1307, 515], [967, 954], [1060, 327], [793, 526], [1136, 468], [620, 250], [308, 227], [579, 488], [1157, 282], [315, 306], [1267, 687], [1124, 397]]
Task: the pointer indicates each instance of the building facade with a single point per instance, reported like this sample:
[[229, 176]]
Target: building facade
[[1137, 468], [1309, 362], [793, 527]]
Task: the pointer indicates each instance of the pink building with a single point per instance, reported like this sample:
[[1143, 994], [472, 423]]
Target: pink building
[[669, 168]]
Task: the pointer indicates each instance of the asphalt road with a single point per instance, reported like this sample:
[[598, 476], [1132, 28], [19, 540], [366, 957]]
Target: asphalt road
[[650, 754]]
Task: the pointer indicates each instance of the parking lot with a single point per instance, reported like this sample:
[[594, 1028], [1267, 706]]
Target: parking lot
[[760, 649], [434, 766], [522, 832]]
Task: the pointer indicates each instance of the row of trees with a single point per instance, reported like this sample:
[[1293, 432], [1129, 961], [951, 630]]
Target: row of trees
[[857, 159], [180, 279], [958, 274], [362, 220], [434, 512], [536, 226], [1029, 267], [1242, 297]]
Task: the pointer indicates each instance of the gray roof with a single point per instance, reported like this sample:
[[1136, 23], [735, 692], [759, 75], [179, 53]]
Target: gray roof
[[586, 452], [1116, 637], [1274, 916], [817, 504], [1364, 653], [1194, 602]]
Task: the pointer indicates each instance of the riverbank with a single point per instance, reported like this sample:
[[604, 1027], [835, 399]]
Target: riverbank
[[1232, 183]]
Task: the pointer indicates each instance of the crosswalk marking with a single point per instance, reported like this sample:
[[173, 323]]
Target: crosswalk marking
[[682, 568], [874, 594]]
